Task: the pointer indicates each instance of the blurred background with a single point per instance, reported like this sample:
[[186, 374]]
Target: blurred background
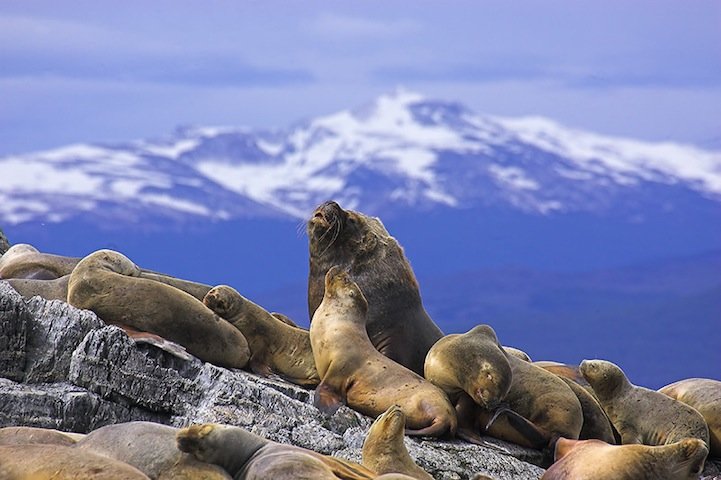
[[552, 168]]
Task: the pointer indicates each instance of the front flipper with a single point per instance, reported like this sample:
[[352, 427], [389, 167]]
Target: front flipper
[[327, 398], [509, 425]]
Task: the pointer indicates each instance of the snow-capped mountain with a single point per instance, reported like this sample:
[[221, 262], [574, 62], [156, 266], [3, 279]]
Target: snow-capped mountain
[[401, 150]]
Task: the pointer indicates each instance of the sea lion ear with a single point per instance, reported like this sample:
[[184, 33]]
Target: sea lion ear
[[367, 245]]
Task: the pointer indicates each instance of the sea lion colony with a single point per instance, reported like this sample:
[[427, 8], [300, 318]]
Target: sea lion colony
[[372, 346]]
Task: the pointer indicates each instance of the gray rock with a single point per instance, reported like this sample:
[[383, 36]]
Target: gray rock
[[4, 243], [94, 375]]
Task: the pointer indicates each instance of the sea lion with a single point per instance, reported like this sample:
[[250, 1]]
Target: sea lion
[[517, 353], [250, 457], [34, 435], [58, 462], [109, 284], [275, 347], [55, 289], [353, 372], [641, 415], [540, 408], [597, 460], [596, 424], [398, 325], [565, 370], [704, 395], [24, 261], [384, 450], [153, 450]]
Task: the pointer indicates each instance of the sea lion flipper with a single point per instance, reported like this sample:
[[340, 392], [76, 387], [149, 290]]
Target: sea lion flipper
[[534, 436], [473, 437], [327, 398], [260, 368], [157, 341]]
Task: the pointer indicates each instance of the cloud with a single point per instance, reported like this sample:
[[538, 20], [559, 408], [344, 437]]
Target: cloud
[[344, 26]]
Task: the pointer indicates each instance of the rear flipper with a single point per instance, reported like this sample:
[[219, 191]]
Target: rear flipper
[[327, 398], [510, 426], [157, 341]]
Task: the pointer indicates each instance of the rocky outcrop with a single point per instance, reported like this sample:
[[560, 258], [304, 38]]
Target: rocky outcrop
[[64, 368], [4, 243]]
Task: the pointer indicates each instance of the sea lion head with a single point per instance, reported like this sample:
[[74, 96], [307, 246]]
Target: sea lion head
[[492, 374], [606, 378], [197, 440], [109, 260], [389, 425], [340, 288], [224, 300], [336, 233]]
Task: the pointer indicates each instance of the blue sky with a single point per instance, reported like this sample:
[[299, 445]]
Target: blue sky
[[105, 71]]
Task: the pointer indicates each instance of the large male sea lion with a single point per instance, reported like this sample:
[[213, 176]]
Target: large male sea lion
[[275, 346], [250, 457], [58, 462], [704, 395], [109, 284], [398, 325], [597, 460], [641, 415], [353, 372], [384, 450], [152, 449]]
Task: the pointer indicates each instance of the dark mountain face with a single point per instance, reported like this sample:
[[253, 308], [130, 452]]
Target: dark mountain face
[[520, 223]]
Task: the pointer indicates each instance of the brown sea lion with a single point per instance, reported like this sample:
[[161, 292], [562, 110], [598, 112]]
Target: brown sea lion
[[250, 457], [596, 424], [353, 372], [704, 395], [597, 460], [152, 449], [520, 354], [108, 283], [540, 408], [384, 450], [565, 370], [24, 261], [275, 347], [398, 325], [58, 462], [55, 289], [641, 415], [33, 435]]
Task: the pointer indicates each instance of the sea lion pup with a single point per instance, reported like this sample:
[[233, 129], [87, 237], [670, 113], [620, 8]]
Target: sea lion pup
[[247, 456], [540, 408], [151, 448], [33, 435], [56, 289], [398, 325], [641, 415], [384, 450], [353, 372], [597, 460], [58, 462], [108, 283], [704, 395], [275, 347], [24, 261]]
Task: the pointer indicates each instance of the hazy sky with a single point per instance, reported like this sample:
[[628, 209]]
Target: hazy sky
[[113, 70]]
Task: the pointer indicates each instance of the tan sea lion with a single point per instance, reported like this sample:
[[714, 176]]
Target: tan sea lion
[[597, 460], [704, 395], [596, 424], [151, 448], [353, 372], [540, 408], [24, 261], [58, 462], [641, 415], [384, 450], [565, 370], [250, 457], [34, 435], [108, 283], [275, 347], [398, 325], [55, 289], [520, 354]]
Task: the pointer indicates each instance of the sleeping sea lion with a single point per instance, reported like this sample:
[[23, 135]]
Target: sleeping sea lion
[[245, 455], [55, 289], [398, 325], [109, 284], [641, 415], [33, 435], [597, 460], [275, 346], [353, 372]]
